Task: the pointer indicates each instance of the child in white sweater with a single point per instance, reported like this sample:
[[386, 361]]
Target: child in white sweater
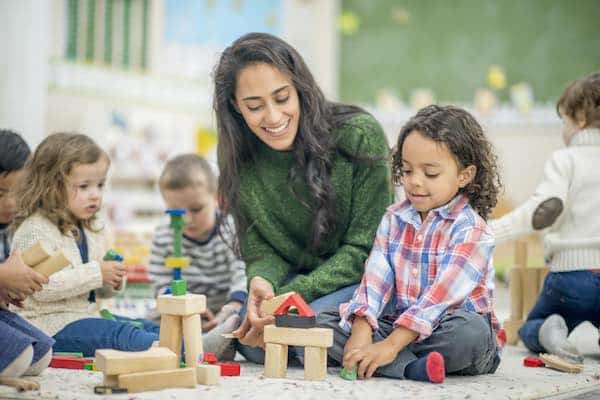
[[566, 204], [58, 201]]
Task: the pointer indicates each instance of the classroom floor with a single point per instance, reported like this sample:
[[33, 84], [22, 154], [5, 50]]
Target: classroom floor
[[511, 381]]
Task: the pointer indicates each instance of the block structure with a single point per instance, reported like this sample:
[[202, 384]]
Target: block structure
[[315, 342], [525, 285]]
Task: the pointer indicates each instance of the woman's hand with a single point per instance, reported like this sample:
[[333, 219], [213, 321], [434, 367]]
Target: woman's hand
[[250, 332]]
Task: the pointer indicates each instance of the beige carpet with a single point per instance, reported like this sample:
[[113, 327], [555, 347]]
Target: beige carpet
[[511, 381]]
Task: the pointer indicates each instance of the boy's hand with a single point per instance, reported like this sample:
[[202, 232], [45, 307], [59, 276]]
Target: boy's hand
[[112, 273], [370, 357], [362, 335], [208, 320], [19, 280]]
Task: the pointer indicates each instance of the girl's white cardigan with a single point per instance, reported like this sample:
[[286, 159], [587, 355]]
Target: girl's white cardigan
[[65, 298]]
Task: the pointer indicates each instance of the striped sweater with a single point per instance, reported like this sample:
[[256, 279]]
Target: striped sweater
[[214, 269]]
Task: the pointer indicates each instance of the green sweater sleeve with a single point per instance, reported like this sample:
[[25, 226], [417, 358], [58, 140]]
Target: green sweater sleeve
[[261, 259], [371, 194]]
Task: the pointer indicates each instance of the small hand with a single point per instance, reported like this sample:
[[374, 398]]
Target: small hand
[[208, 320], [370, 357]]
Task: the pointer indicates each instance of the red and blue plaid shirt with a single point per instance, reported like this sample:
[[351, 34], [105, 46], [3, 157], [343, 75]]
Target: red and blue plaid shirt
[[433, 267]]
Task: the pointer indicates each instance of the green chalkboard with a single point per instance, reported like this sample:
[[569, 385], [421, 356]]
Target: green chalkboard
[[448, 46]]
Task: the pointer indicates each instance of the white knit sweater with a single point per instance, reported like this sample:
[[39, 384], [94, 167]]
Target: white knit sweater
[[571, 174], [65, 298]]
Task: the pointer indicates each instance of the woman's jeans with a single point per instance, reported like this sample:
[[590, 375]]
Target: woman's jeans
[[574, 295], [89, 334], [326, 303]]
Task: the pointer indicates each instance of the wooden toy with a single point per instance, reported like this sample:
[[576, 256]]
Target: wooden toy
[[525, 285], [69, 362], [560, 364], [229, 368], [44, 260], [315, 342], [349, 375], [533, 362], [157, 367], [208, 374], [295, 321], [115, 362], [295, 300], [268, 307], [306, 317], [156, 380]]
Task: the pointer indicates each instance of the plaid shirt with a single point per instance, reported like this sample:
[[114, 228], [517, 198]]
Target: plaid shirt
[[434, 267]]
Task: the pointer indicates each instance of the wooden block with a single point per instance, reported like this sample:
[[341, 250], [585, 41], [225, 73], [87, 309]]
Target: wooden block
[[171, 333], [530, 289], [36, 254], [511, 327], [560, 364], [192, 339], [52, 264], [294, 321], [111, 380], [156, 380], [177, 262], [208, 374], [115, 362], [316, 337], [315, 363], [276, 359], [521, 254], [268, 307], [296, 301], [187, 304], [515, 288]]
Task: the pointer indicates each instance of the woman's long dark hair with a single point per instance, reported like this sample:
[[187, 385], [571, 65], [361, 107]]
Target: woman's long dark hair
[[314, 145]]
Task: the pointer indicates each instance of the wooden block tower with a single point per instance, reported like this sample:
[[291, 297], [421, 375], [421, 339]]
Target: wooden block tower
[[296, 330], [158, 367], [180, 311], [525, 285]]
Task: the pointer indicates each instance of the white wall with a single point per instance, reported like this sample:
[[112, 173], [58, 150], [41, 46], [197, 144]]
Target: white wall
[[24, 41]]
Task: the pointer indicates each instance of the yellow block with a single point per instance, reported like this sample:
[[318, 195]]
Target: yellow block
[[177, 262]]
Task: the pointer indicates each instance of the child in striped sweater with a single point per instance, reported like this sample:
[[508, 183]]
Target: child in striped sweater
[[187, 182]]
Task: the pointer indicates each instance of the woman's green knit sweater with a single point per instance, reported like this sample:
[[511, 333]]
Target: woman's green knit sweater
[[277, 241]]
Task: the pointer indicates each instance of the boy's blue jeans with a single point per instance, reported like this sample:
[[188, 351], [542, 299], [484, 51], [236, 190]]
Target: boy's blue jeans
[[574, 295], [326, 303], [89, 334]]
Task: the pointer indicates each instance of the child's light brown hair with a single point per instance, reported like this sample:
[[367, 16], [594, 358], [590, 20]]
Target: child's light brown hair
[[581, 101], [187, 170], [46, 175]]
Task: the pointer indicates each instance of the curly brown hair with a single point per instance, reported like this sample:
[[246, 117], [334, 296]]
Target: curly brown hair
[[581, 100], [464, 137], [43, 187]]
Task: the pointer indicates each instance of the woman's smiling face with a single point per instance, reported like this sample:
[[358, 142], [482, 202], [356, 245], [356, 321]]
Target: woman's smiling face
[[268, 101]]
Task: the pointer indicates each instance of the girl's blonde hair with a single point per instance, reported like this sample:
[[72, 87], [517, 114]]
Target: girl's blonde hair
[[43, 187]]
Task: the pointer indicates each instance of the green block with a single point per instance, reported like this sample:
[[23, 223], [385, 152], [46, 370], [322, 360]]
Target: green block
[[348, 375], [68, 354], [89, 367], [107, 315], [179, 287], [182, 364]]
